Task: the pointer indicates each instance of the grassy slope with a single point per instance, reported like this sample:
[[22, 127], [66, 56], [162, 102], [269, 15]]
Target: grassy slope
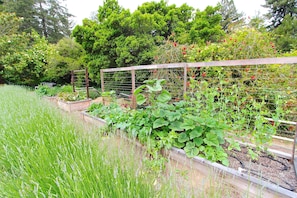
[[42, 154]]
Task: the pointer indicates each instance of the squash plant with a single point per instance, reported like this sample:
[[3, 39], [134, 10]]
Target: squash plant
[[179, 124]]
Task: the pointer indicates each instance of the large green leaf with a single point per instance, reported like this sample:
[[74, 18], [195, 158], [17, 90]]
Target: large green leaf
[[140, 99], [211, 139], [159, 113], [139, 89], [159, 123], [154, 88], [183, 137], [190, 145], [179, 144], [154, 85], [172, 116], [176, 126], [188, 124], [220, 135], [191, 151], [150, 82], [164, 97], [196, 132], [156, 113], [198, 141]]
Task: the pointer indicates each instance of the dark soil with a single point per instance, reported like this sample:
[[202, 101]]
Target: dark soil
[[268, 167]]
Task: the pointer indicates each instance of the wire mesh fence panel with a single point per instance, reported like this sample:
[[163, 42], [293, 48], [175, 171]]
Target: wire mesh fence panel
[[120, 82], [174, 79], [242, 92], [80, 81]]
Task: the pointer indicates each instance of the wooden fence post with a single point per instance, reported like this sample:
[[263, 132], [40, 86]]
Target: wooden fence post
[[87, 83], [72, 81], [185, 78], [102, 80], [133, 102]]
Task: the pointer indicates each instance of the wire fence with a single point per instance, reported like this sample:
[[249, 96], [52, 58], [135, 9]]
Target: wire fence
[[80, 81], [237, 85]]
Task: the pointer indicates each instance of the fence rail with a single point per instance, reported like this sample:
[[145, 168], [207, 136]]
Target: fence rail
[[258, 61]]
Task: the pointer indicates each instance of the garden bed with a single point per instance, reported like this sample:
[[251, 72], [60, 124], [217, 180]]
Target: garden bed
[[270, 176], [70, 106]]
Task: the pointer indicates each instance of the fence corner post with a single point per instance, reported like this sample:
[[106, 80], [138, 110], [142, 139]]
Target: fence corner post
[[185, 79], [87, 83], [133, 102], [72, 80], [102, 80]]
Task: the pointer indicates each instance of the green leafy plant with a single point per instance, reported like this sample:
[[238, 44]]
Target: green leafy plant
[[44, 90], [179, 124], [244, 115]]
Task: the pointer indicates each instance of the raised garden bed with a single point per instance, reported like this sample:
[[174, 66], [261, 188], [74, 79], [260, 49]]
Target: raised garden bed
[[70, 106], [238, 175]]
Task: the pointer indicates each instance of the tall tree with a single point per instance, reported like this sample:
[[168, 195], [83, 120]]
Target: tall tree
[[206, 26], [258, 22], [63, 57], [230, 16], [286, 34], [48, 17], [9, 23], [277, 10], [119, 38], [23, 9]]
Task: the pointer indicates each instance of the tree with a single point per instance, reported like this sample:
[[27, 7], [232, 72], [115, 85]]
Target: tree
[[23, 58], [48, 17], [119, 38], [63, 57], [258, 22], [9, 23], [230, 16], [286, 34], [23, 9], [277, 10], [206, 26]]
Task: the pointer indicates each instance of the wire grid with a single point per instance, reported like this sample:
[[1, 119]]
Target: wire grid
[[174, 79], [120, 82], [236, 88], [79, 81], [241, 87]]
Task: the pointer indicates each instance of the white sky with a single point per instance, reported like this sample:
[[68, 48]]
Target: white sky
[[84, 9]]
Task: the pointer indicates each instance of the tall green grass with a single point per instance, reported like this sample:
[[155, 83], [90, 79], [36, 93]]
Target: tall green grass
[[43, 153]]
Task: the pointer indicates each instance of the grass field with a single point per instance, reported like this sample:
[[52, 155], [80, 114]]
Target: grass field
[[44, 153]]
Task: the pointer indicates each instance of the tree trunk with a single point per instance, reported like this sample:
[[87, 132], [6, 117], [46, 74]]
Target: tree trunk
[[43, 20]]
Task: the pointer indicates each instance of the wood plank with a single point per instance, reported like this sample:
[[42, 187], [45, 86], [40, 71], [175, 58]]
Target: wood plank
[[244, 62]]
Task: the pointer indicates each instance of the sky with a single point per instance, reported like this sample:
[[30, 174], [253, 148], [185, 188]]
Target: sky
[[84, 9]]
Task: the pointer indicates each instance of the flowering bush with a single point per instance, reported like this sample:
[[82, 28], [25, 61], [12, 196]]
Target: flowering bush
[[171, 52], [246, 43]]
